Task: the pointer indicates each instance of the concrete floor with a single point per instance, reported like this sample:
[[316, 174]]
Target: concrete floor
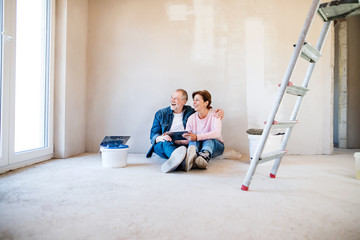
[[313, 197]]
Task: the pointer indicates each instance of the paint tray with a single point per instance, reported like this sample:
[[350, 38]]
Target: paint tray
[[114, 141]]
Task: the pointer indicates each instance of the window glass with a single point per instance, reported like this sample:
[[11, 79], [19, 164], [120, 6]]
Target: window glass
[[31, 78]]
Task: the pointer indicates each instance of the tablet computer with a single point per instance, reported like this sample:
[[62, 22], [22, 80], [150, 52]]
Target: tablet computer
[[177, 135]]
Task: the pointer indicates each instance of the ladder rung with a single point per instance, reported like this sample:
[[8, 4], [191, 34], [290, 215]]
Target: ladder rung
[[272, 155], [296, 90], [284, 124], [309, 53]]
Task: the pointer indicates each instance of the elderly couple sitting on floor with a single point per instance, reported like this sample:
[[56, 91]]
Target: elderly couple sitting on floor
[[199, 128]]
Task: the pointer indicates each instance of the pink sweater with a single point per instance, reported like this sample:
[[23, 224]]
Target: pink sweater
[[206, 128]]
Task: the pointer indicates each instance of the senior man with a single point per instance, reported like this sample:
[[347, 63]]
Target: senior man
[[172, 119]]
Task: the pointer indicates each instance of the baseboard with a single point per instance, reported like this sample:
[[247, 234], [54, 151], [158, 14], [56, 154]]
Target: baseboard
[[22, 164]]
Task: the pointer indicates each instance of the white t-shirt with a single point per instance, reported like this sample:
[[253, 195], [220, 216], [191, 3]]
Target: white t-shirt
[[177, 124]]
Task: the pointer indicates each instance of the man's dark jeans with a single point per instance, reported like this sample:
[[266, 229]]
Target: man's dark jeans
[[165, 149]]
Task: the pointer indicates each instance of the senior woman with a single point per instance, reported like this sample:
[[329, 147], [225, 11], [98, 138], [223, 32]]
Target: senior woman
[[205, 140]]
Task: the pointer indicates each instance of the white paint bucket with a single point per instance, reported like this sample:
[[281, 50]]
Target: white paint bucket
[[273, 143], [114, 157], [357, 164]]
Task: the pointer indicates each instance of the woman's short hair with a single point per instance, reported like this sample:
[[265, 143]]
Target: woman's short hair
[[205, 95], [184, 93]]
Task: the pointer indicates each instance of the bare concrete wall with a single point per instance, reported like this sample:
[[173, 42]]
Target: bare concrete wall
[[353, 113], [341, 84], [336, 85], [140, 51]]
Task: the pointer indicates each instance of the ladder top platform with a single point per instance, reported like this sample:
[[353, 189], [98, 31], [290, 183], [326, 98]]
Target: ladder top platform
[[339, 9]]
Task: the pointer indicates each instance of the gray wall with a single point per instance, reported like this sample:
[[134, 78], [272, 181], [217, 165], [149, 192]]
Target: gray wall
[[353, 113], [336, 88]]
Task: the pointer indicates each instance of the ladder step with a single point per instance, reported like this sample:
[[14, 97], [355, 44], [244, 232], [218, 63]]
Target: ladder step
[[272, 155], [309, 53], [296, 90], [283, 124]]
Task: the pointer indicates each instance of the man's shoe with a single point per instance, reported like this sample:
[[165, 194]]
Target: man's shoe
[[202, 160], [175, 160], [190, 157]]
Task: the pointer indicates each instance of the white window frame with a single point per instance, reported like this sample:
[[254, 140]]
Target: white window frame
[[8, 158]]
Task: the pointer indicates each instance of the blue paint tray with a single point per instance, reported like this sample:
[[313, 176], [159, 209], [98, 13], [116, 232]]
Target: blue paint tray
[[114, 142]]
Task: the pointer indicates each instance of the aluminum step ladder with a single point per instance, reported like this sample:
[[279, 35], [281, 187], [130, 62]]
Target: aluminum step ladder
[[328, 12]]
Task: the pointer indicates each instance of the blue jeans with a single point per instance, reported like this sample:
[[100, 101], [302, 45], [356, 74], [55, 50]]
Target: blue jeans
[[165, 149], [213, 146]]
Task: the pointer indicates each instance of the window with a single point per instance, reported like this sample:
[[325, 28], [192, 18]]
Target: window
[[26, 86]]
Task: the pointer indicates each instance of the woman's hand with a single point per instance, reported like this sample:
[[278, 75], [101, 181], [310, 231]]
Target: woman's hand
[[219, 113], [190, 136], [163, 138]]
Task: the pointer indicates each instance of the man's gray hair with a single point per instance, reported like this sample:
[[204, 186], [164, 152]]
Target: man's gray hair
[[184, 93]]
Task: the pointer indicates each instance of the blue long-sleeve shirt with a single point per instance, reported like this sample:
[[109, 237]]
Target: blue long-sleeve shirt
[[162, 123]]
